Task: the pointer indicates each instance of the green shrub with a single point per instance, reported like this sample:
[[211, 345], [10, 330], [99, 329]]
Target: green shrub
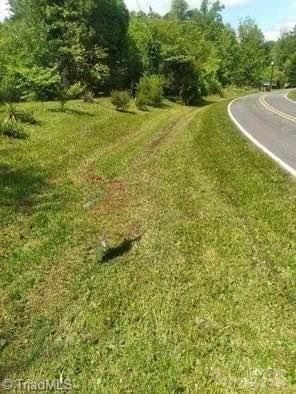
[[215, 87], [290, 70], [121, 100], [143, 89], [88, 97], [189, 93], [12, 129], [66, 93], [150, 90], [12, 114], [40, 83], [28, 84], [26, 117], [182, 79], [141, 101], [74, 91], [11, 86], [156, 91], [210, 85]]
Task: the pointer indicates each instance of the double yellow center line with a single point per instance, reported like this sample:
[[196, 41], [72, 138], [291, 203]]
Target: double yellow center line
[[276, 111]]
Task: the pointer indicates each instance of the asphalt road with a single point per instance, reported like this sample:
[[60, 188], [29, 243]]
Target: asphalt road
[[269, 121]]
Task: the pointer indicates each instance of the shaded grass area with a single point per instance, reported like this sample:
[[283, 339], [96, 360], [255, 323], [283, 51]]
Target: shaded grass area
[[292, 95], [204, 300]]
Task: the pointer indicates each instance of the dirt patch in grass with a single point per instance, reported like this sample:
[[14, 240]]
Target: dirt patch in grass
[[92, 178], [200, 302], [114, 197], [158, 141], [175, 125], [115, 185]]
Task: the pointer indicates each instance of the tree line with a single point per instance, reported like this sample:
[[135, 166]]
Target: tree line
[[56, 48]]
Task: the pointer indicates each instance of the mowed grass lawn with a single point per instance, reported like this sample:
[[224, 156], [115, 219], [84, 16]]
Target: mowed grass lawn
[[203, 301], [292, 95]]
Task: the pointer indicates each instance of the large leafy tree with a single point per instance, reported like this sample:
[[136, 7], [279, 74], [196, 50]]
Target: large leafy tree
[[92, 42], [147, 42], [211, 11], [84, 38], [252, 53], [284, 51], [179, 9], [228, 54], [181, 52], [285, 47], [221, 36], [290, 69], [24, 55]]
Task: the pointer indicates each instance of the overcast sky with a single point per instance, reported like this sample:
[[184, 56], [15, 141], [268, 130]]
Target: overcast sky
[[273, 16]]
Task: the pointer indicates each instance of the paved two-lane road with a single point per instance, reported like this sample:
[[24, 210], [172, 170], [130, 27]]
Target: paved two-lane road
[[269, 121]]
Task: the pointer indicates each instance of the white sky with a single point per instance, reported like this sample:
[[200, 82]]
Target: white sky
[[163, 6], [3, 9]]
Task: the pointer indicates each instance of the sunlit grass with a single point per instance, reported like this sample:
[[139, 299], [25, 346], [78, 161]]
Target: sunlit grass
[[292, 95], [202, 301]]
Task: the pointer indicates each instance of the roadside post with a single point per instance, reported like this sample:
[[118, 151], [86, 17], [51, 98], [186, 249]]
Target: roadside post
[[271, 79]]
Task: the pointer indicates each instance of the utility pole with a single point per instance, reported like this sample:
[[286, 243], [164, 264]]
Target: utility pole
[[271, 79]]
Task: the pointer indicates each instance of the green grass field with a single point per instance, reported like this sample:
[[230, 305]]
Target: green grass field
[[203, 301], [292, 95]]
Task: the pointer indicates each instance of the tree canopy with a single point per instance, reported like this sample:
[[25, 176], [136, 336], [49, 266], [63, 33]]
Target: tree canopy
[[47, 45]]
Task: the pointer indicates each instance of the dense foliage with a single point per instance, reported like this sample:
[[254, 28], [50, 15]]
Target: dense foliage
[[47, 46], [284, 53], [150, 91], [120, 100]]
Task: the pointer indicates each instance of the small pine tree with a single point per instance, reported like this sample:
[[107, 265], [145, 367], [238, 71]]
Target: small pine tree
[[121, 100]]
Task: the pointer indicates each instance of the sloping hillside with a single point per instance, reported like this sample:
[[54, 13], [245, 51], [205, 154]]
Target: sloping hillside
[[145, 252]]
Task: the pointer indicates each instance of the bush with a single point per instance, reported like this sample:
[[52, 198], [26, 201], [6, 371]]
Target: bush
[[156, 91], [189, 93], [11, 88], [150, 90], [74, 91], [182, 79], [23, 116], [11, 112], [141, 101], [210, 85], [121, 100], [41, 83], [12, 129], [290, 70], [28, 84], [66, 93], [26, 117], [215, 87], [88, 97]]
